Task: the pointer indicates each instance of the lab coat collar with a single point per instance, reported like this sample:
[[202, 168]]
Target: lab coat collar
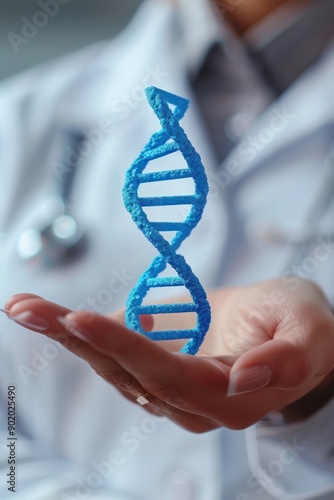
[[120, 65], [201, 27], [193, 26], [287, 32], [190, 27], [302, 111], [290, 39], [198, 28]]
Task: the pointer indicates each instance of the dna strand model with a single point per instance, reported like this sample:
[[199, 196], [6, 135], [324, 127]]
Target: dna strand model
[[170, 139]]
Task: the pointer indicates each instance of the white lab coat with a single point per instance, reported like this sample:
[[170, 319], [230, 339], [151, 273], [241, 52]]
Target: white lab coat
[[79, 438]]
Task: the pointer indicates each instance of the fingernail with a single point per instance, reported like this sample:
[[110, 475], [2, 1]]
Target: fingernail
[[249, 379], [10, 302], [29, 319], [76, 330]]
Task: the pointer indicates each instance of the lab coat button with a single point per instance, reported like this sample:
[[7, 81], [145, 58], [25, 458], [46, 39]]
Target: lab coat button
[[238, 125]]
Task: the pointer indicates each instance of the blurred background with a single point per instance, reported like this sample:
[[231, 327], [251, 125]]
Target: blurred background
[[67, 28]]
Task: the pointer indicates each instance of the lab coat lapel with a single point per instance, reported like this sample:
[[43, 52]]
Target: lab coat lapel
[[294, 117]]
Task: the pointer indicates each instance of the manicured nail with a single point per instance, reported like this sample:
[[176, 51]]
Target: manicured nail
[[29, 319], [249, 379], [76, 330]]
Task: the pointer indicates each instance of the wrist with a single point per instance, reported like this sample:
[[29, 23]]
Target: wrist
[[309, 404], [306, 406]]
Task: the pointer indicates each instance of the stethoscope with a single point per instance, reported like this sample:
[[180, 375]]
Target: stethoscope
[[62, 238]]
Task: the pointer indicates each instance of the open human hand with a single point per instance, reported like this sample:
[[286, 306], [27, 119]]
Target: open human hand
[[268, 347]]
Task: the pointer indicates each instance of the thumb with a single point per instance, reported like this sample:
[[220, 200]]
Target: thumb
[[277, 363], [299, 356]]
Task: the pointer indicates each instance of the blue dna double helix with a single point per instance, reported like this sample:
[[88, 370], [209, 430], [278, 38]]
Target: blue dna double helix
[[170, 139]]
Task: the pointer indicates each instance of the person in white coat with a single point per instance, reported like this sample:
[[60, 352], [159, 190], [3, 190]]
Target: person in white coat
[[69, 132]]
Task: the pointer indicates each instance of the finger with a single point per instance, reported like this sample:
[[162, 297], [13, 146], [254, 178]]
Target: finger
[[17, 298], [189, 421], [103, 365], [134, 352], [195, 385], [277, 364], [45, 317], [192, 384], [32, 311], [300, 354], [146, 320], [36, 309]]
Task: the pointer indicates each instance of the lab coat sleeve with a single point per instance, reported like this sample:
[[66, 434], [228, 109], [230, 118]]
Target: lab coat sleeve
[[296, 461], [34, 475], [26, 469]]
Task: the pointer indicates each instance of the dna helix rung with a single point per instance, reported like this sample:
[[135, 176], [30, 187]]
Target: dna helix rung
[[170, 139]]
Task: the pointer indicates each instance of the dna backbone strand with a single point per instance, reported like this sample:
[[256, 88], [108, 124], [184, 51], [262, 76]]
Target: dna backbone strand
[[170, 109]]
